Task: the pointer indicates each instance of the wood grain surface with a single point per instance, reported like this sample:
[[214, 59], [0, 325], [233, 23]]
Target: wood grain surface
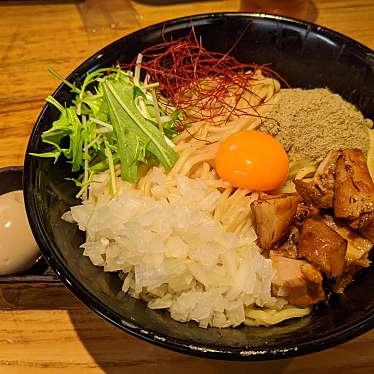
[[45, 329]]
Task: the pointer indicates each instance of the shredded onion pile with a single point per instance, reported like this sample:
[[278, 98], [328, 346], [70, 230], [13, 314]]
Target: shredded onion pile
[[173, 253]]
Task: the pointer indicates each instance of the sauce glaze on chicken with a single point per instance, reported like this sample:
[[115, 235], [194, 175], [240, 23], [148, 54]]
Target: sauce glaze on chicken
[[323, 231]]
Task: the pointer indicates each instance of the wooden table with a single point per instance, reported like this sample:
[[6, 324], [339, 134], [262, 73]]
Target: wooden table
[[45, 329]]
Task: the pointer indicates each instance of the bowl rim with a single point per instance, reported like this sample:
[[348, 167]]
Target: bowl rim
[[239, 353]]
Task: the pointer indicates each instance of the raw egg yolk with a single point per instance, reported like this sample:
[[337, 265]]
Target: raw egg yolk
[[252, 160]]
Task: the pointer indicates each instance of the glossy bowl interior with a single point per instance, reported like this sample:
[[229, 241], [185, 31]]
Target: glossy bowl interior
[[306, 56]]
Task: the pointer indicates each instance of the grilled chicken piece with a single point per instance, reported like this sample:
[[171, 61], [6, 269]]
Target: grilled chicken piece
[[304, 212], [354, 192], [358, 248], [322, 247], [297, 281], [273, 216], [288, 248], [319, 190], [357, 254], [367, 226]]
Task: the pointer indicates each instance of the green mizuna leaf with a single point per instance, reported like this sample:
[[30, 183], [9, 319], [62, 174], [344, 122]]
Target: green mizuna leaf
[[76, 140], [112, 119], [133, 130]]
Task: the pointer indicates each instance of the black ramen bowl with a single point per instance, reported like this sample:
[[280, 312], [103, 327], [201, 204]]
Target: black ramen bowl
[[306, 56]]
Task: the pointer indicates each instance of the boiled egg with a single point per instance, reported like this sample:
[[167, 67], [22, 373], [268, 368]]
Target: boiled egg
[[18, 250], [252, 160]]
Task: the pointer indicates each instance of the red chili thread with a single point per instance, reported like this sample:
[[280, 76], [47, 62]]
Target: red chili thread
[[197, 81]]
